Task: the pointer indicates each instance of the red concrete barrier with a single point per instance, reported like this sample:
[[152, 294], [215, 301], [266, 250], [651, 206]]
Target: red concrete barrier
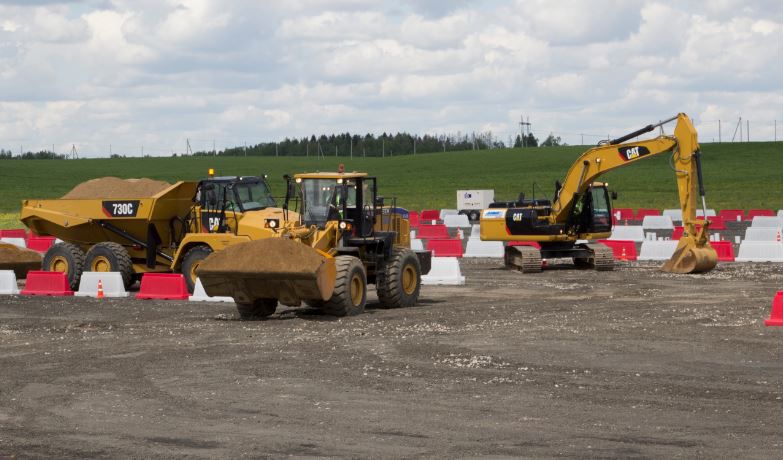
[[642, 212], [13, 233], [731, 214], [776, 315], [413, 219], [445, 247], [430, 214], [165, 286], [621, 249], [525, 243], [40, 243], [47, 283], [717, 223], [625, 213], [759, 212], [724, 249], [677, 233], [432, 231]]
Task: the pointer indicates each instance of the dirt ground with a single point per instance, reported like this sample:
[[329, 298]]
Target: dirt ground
[[630, 363]]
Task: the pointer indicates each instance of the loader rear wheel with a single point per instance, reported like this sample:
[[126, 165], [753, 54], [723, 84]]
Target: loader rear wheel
[[260, 308], [399, 280], [191, 262], [66, 258], [110, 257], [350, 288]]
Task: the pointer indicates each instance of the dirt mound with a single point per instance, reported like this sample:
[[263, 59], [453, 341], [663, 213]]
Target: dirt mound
[[114, 187], [271, 255], [19, 260]]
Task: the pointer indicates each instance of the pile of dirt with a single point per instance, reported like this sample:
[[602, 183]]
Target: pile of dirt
[[19, 260], [269, 256], [114, 187]]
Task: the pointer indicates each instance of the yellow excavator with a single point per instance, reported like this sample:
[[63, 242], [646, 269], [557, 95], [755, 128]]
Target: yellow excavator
[[581, 208]]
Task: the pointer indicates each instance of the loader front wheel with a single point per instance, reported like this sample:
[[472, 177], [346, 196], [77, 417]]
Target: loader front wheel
[[66, 258], [350, 288], [110, 257], [260, 308], [399, 280], [191, 262]]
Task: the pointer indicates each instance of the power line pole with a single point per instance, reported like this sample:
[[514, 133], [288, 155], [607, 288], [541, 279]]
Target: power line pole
[[524, 126], [719, 134], [747, 131]]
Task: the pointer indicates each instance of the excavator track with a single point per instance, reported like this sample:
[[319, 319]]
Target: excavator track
[[527, 259], [603, 257]]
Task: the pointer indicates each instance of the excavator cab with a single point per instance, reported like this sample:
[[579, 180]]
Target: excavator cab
[[592, 211]]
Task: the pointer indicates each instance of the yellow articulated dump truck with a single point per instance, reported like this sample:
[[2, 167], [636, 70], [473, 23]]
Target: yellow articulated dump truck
[[174, 229]]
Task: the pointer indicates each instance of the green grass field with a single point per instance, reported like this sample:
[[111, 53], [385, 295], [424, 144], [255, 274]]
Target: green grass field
[[736, 175]]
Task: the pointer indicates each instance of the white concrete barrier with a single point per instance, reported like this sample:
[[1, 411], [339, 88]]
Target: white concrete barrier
[[628, 232], [111, 282], [200, 295], [417, 244], [780, 214], [478, 248], [760, 251], [700, 213], [762, 234], [19, 242], [448, 212], [456, 220], [675, 214], [657, 250], [444, 270], [475, 231], [8, 283], [413, 234], [767, 222], [657, 223]]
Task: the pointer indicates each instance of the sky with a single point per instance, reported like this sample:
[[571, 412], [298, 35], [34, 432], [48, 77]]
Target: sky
[[128, 76]]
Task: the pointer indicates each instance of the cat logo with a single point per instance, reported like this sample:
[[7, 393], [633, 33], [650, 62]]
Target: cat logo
[[632, 153]]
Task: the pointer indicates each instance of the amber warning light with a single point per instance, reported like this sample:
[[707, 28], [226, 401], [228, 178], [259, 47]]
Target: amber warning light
[[211, 172]]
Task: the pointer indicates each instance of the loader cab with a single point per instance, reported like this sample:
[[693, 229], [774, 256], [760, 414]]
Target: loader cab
[[224, 199], [347, 198], [592, 211]]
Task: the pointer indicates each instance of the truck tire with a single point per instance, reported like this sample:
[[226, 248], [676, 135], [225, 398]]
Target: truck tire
[[398, 282], [190, 263], [260, 308], [67, 258], [350, 289], [474, 216], [110, 257]]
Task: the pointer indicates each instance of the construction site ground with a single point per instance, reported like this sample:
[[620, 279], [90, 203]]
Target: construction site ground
[[575, 363]]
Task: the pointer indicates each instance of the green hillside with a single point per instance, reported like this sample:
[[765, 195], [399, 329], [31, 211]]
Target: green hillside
[[736, 175]]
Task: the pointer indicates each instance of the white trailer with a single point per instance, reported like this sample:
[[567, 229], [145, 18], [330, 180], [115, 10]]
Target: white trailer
[[471, 202]]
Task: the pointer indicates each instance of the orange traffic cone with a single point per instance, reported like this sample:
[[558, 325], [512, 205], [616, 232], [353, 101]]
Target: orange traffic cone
[[100, 289]]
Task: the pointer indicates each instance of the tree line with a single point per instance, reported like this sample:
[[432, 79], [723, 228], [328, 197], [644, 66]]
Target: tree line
[[40, 155]]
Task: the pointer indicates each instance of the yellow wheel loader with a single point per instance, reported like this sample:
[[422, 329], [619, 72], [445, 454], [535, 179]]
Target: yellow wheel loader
[[581, 208], [172, 230], [342, 239]]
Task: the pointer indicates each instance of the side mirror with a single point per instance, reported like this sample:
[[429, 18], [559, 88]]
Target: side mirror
[[614, 195]]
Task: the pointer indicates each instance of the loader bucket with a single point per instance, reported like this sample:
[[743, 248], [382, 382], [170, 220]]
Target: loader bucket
[[689, 257], [271, 268]]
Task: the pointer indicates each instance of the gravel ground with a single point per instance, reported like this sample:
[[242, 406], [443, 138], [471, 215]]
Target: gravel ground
[[630, 363]]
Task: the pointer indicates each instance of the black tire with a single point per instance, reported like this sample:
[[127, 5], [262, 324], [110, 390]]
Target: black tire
[[260, 308], [350, 289], [190, 263], [68, 258], [474, 216], [398, 282], [110, 257]]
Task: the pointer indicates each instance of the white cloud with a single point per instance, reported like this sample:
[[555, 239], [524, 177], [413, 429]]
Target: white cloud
[[157, 72]]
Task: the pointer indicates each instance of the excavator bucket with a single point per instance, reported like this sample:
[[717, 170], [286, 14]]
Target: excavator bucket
[[690, 257], [272, 268]]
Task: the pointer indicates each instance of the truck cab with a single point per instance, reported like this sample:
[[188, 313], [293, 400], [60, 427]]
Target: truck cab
[[224, 200]]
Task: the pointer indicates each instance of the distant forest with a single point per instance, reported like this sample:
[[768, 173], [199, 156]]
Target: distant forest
[[343, 144]]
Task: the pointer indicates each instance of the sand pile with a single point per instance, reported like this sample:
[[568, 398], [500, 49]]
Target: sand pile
[[114, 187], [19, 260], [269, 256]]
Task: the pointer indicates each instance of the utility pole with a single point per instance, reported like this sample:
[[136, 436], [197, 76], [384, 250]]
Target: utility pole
[[245, 144], [524, 126], [414, 145], [214, 150], [719, 134], [747, 131], [583, 139]]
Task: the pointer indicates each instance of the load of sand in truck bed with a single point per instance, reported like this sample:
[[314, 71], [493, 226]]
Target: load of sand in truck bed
[[114, 187], [19, 260], [277, 268]]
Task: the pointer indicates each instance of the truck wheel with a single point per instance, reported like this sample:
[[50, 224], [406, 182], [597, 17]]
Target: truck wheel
[[399, 280], [110, 257], [260, 308], [191, 262], [350, 289], [474, 216], [66, 258]]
